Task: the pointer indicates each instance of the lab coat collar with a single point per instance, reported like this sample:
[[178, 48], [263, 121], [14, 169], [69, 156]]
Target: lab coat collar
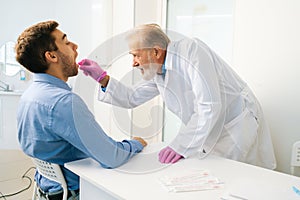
[[167, 65], [168, 59]]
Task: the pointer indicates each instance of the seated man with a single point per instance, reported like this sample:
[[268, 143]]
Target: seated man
[[54, 124]]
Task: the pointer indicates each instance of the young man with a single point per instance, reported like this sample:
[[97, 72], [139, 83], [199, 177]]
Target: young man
[[55, 124], [220, 114]]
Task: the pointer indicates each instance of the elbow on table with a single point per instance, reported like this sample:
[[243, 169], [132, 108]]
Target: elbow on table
[[113, 163]]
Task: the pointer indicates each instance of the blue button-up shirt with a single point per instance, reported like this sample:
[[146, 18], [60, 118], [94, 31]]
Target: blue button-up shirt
[[55, 125]]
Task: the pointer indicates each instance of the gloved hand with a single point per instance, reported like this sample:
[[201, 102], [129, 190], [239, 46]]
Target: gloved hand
[[168, 155], [92, 69]]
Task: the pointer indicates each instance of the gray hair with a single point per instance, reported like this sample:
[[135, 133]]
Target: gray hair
[[147, 36]]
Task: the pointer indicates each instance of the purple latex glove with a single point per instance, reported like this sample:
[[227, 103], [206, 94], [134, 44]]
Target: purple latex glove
[[168, 155], [92, 69]]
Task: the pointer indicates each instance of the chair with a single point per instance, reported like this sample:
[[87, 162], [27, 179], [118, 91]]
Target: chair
[[295, 160], [52, 172]]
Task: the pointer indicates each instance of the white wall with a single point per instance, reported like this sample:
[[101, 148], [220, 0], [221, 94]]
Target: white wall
[[81, 20], [266, 55], [85, 22]]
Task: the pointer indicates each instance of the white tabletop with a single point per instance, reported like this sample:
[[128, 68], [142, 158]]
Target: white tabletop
[[139, 178]]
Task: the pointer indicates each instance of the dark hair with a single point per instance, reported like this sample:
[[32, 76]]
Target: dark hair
[[32, 45]]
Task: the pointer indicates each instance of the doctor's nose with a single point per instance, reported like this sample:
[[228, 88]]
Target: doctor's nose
[[135, 64]]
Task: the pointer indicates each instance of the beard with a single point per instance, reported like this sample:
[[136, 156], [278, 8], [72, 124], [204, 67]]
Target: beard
[[151, 71], [69, 66]]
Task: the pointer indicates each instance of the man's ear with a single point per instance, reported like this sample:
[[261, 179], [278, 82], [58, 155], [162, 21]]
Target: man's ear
[[50, 56], [157, 51]]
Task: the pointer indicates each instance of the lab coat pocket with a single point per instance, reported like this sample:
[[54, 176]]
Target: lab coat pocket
[[243, 132]]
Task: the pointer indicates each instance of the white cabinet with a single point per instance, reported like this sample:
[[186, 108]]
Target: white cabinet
[[8, 120]]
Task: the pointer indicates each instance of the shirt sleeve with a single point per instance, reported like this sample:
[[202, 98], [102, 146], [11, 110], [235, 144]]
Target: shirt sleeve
[[74, 122]]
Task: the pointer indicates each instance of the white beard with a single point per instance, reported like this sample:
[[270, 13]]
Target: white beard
[[150, 72]]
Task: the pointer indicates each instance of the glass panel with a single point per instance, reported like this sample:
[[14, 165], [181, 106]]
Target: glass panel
[[209, 20], [8, 63], [2, 58]]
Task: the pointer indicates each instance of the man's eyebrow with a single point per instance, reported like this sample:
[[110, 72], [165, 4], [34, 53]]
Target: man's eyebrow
[[64, 36]]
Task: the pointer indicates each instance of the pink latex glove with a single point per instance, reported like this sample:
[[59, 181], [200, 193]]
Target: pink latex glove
[[168, 155], [92, 69]]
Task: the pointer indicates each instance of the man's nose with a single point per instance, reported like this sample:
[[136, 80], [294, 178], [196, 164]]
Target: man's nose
[[135, 64], [75, 46]]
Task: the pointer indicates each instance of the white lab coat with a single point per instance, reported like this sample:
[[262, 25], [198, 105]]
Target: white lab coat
[[219, 112]]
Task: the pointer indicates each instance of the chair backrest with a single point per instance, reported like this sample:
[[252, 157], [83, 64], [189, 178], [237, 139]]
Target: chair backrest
[[295, 159], [52, 172]]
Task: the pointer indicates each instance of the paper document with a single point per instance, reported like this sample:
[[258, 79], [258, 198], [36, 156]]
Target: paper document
[[192, 181]]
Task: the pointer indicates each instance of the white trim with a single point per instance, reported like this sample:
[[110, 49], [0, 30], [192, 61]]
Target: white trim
[[1, 119]]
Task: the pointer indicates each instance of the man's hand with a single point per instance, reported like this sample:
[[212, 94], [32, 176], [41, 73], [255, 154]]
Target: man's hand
[[168, 155], [92, 69], [141, 140]]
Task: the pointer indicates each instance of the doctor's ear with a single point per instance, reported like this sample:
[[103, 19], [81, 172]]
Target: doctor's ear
[[50, 56], [157, 51]]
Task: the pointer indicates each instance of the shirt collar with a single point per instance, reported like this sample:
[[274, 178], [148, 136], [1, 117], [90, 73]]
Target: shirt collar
[[163, 69], [171, 52], [46, 78]]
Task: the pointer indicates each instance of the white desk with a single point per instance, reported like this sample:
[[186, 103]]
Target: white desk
[[138, 179]]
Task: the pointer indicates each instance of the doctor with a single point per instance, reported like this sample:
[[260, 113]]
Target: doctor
[[220, 113]]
